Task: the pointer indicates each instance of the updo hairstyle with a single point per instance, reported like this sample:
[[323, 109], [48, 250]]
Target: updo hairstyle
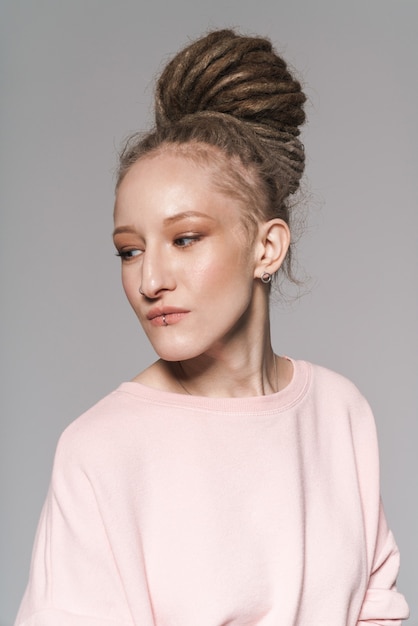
[[229, 102]]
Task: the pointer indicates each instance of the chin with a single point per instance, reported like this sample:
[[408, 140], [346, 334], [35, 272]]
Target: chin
[[169, 351], [173, 355]]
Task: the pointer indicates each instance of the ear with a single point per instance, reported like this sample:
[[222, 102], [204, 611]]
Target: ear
[[272, 244]]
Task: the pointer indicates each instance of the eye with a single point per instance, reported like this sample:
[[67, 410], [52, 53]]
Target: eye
[[126, 255], [185, 242]]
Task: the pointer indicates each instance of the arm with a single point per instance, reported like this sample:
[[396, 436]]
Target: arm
[[74, 580], [383, 604]]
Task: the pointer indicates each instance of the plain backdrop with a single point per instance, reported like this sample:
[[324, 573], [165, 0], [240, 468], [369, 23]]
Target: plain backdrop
[[76, 77]]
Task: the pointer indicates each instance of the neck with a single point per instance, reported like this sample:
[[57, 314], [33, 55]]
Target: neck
[[242, 367], [238, 379]]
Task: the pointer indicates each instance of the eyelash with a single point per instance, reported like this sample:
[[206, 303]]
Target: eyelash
[[127, 255], [191, 238]]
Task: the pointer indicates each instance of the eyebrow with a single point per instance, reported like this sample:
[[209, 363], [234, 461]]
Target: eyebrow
[[123, 229], [168, 220], [184, 215]]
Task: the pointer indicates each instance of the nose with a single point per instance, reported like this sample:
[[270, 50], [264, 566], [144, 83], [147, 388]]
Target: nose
[[157, 273]]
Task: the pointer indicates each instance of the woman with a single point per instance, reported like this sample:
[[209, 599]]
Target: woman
[[224, 484]]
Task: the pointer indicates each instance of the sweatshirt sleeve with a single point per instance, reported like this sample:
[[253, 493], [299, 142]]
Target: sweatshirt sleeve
[[74, 578], [382, 604]]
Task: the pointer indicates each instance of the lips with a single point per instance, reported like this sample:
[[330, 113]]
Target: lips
[[166, 316]]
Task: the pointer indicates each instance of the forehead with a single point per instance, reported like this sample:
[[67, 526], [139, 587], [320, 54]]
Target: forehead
[[224, 172], [222, 168], [163, 184], [162, 178], [166, 167]]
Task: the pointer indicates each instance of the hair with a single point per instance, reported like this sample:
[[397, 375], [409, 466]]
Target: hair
[[229, 102]]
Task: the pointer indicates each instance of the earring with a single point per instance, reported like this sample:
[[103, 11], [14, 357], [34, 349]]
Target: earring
[[265, 278], [140, 290]]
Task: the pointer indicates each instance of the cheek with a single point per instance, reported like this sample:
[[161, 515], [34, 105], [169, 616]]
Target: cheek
[[210, 278], [231, 272], [131, 287], [125, 284], [206, 271], [227, 257]]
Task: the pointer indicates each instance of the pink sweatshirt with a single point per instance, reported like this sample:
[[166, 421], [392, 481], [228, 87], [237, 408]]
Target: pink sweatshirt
[[174, 510]]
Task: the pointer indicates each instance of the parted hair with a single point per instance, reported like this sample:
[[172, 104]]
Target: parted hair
[[229, 101]]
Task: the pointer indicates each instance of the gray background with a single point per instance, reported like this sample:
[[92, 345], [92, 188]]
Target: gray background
[[76, 77]]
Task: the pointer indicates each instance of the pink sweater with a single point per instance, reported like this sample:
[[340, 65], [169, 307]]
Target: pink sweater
[[175, 510]]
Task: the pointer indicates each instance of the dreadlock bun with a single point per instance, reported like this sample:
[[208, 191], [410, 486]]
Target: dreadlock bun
[[229, 101], [242, 77]]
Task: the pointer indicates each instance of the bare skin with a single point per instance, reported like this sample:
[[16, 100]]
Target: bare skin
[[203, 305], [165, 376]]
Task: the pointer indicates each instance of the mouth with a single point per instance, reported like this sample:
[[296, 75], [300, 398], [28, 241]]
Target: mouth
[[166, 316]]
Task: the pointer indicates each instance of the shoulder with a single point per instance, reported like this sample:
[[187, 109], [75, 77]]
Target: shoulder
[[101, 428], [343, 416], [334, 386], [337, 399]]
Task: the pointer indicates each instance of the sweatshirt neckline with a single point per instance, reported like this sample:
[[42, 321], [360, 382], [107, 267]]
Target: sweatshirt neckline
[[279, 401]]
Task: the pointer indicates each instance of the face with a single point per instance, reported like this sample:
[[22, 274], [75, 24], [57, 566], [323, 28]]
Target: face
[[185, 245]]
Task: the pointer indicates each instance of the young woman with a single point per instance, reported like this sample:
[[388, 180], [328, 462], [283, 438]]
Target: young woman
[[224, 484]]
